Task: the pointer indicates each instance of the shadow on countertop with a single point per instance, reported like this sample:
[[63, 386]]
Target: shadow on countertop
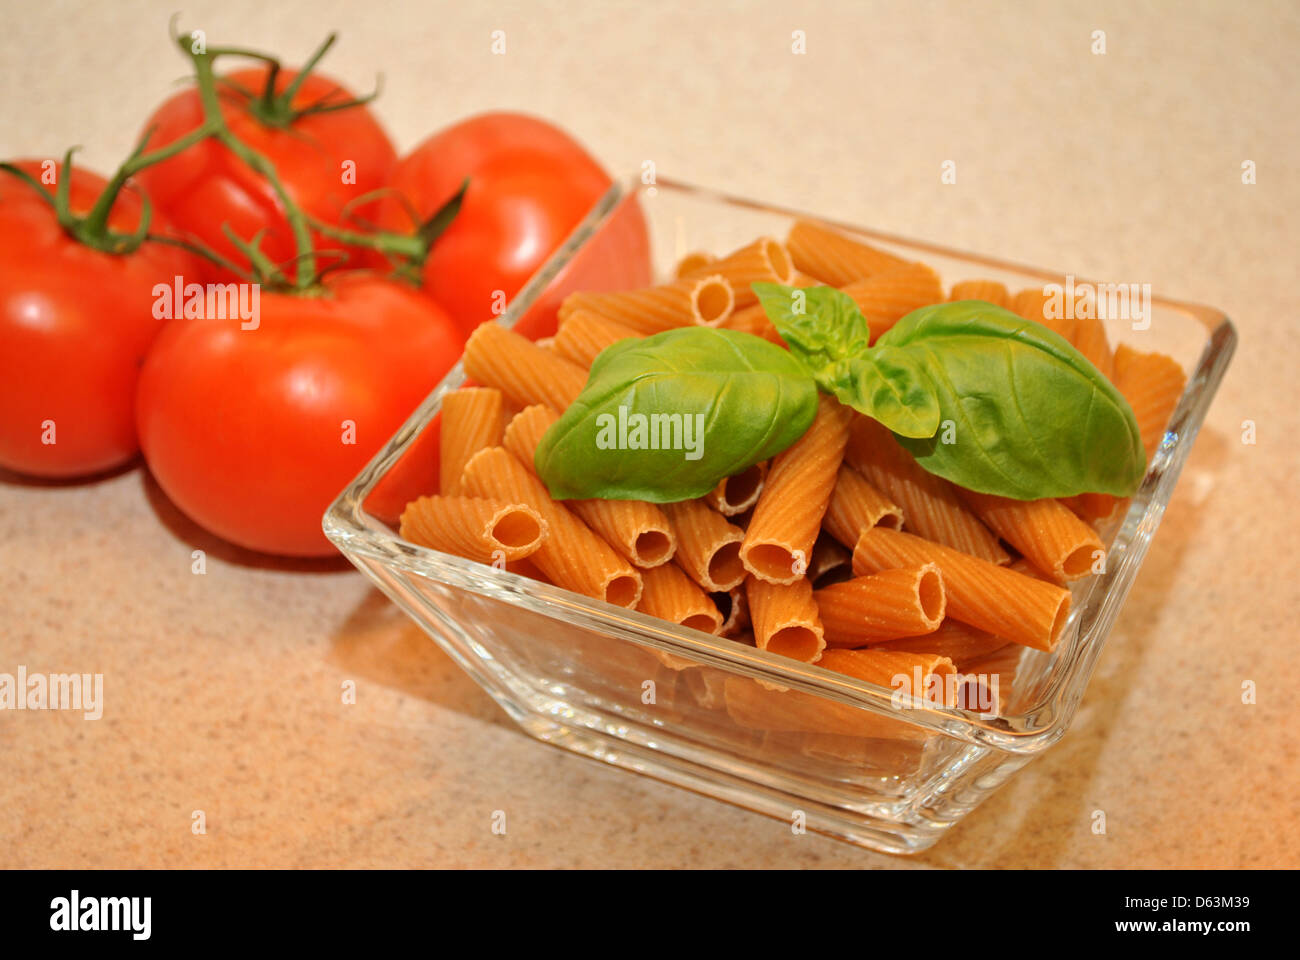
[[187, 531], [380, 643]]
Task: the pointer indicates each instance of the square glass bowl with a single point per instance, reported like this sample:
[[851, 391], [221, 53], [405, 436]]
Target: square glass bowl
[[594, 678]]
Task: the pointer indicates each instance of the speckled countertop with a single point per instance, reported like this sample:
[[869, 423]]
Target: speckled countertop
[[222, 690]]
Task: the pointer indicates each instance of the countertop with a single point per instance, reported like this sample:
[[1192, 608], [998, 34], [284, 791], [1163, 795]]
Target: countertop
[[222, 690]]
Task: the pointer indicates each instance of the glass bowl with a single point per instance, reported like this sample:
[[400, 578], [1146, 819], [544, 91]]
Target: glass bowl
[[595, 679]]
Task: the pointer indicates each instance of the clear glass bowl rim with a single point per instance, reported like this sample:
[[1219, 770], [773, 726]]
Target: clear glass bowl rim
[[361, 535]]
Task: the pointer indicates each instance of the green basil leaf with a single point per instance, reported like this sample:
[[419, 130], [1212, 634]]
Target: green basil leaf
[[823, 328], [826, 331], [666, 417], [1023, 413], [891, 385]]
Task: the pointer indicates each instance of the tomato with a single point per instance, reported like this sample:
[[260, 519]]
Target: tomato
[[206, 186], [75, 324], [253, 432], [530, 184]]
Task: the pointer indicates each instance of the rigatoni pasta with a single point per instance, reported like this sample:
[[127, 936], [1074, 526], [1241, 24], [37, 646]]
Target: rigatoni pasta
[[834, 258], [766, 260], [584, 334], [856, 505], [637, 530], [887, 605], [472, 418], [698, 300], [1047, 532], [571, 556], [785, 618], [671, 595], [1152, 384], [708, 547], [489, 531], [985, 595], [931, 506], [990, 291], [886, 297], [523, 371], [779, 539], [736, 494]]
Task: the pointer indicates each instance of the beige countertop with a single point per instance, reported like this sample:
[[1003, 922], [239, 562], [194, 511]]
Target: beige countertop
[[222, 690]]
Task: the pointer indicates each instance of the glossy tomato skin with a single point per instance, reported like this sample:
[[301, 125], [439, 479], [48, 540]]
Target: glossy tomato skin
[[248, 431], [530, 184], [206, 185], [75, 325]]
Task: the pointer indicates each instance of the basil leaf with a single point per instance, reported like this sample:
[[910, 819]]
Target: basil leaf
[[826, 331], [891, 385], [1025, 415], [666, 417], [823, 328]]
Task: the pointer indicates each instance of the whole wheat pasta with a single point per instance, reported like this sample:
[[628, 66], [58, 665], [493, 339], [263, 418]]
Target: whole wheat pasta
[[694, 263], [830, 560], [1046, 531], [584, 334], [734, 495], [472, 418], [734, 610], [753, 319], [571, 556], [1089, 338], [990, 291], [671, 595], [707, 686], [1152, 383], [638, 530], [521, 369], [708, 547], [884, 606], [887, 297], [885, 667], [979, 675], [1095, 507], [1022, 565], [856, 505], [761, 708], [959, 642], [698, 300], [1032, 305], [1022, 609], [766, 260], [832, 257], [484, 530], [785, 619], [930, 504], [779, 539]]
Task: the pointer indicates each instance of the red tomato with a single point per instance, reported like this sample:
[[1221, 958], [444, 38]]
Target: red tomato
[[75, 324], [253, 433], [206, 186], [530, 184]]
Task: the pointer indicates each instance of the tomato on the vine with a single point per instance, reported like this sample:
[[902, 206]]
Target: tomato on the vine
[[530, 184], [253, 432], [326, 160], [75, 324]]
